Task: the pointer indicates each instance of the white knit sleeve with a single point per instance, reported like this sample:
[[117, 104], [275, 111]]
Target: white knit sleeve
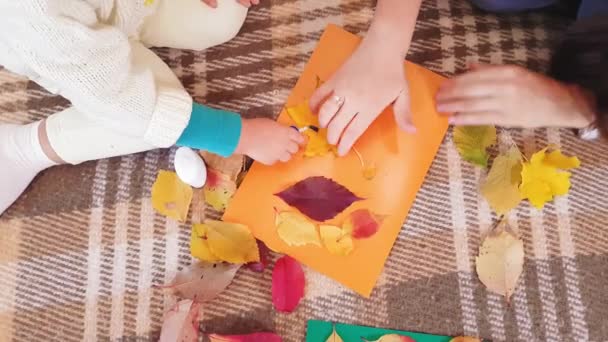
[[93, 66]]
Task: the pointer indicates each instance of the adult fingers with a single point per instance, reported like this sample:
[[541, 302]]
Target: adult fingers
[[352, 133], [329, 109], [463, 105], [211, 3], [475, 119], [459, 89], [403, 113], [339, 123], [320, 95]]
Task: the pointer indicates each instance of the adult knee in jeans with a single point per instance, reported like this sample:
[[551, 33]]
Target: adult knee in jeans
[[505, 6]]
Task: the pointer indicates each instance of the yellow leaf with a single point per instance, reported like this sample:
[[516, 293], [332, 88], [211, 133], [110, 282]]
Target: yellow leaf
[[500, 261], [170, 196], [541, 179], [472, 143], [560, 161], [302, 115], [219, 189], [501, 188], [230, 242], [334, 337], [336, 240], [465, 339], [199, 244], [317, 141], [296, 230]]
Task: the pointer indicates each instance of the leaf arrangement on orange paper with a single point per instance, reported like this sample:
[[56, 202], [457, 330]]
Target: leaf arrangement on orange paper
[[297, 230], [305, 119], [319, 198]]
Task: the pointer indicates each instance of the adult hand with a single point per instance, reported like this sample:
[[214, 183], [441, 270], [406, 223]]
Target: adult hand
[[512, 96], [372, 79]]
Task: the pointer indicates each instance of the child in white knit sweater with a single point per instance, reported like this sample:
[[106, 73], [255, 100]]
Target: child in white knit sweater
[[125, 99]]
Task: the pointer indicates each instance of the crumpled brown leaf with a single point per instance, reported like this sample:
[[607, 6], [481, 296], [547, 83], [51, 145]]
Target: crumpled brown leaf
[[202, 281]]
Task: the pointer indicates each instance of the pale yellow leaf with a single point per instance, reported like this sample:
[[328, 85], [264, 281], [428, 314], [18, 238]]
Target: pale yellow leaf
[[336, 240], [501, 187], [296, 230], [230, 242], [500, 261], [202, 282], [170, 196]]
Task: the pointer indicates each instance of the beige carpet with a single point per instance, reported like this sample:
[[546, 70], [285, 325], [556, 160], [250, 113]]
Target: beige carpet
[[81, 251]]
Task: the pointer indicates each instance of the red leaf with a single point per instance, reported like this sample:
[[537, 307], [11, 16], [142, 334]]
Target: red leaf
[[256, 337], [260, 266], [318, 197], [288, 284], [363, 223]]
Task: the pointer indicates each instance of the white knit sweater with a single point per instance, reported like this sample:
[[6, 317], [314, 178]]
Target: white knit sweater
[[81, 50]]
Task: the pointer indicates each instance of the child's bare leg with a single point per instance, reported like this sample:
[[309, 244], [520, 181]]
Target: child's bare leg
[[192, 25]]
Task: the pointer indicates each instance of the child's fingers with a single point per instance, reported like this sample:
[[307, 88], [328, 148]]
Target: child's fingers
[[255, 2], [296, 136], [292, 147], [285, 157]]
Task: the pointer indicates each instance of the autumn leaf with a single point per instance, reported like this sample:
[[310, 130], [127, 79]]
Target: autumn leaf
[[202, 282], [334, 337], [472, 143], [362, 224], [255, 337], [318, 197], [394, 338], [336, 240], [222, 241], [219, 189], [288, 284], [501, 188], [180, 323], [264, 252], [541, 178], [317, 144], [170, 196], [466, 339], [500, 261], [296, 230]]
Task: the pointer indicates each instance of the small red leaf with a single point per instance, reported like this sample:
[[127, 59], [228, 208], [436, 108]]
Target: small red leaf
[[260, 266], [256, 337], [363, 223], [288, 284], [318, 197]]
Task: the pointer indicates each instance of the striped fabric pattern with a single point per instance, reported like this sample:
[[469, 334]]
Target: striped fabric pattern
[[82, 252]]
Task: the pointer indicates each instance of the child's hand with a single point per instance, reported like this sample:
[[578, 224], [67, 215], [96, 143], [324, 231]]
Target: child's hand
[[512, 96], [246, 3], [267, 141], [371, 79]]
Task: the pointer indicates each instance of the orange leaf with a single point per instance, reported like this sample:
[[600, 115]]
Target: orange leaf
[[362, 224]]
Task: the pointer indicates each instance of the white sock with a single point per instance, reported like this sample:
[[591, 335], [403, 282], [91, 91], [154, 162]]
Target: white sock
[[21, 159]]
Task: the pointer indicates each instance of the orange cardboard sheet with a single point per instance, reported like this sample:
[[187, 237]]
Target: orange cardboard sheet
[[402, 162]]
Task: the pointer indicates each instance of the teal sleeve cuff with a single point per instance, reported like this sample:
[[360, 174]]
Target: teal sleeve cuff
[[214, 130]]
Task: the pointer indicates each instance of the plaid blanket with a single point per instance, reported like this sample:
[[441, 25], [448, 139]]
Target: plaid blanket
[[81, 253]]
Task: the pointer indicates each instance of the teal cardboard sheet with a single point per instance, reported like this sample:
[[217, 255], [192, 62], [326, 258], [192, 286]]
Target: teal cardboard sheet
[[319, 331]]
